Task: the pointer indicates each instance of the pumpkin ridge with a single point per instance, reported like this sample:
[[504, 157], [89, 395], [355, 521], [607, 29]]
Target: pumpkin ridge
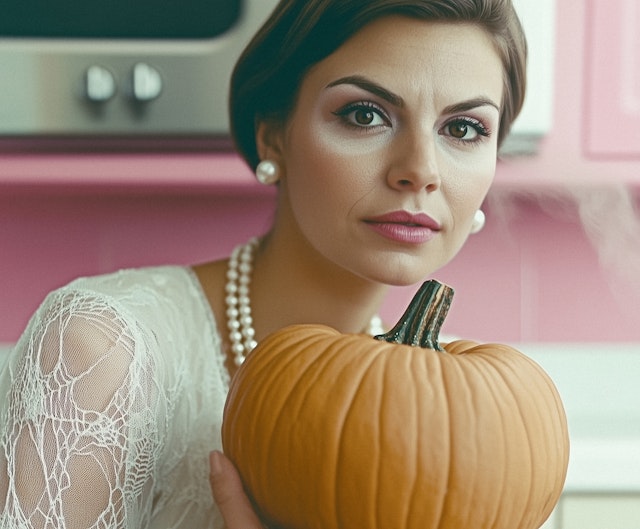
[[419, 370], [432, 411], [358, 390], [549, 386], [512, 376], [252, 400], [543, 381], [461, 347], [516, 368], [447, 402], [335, 351], [484, 398], [336, 464], [478, 410], [290, 409], [262, 363], [416, 368], [532, 500], [299, 348], [381, 374], [249, 403], [488, 374]]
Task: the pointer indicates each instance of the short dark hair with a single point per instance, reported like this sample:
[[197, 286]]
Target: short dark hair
[[300, 33]]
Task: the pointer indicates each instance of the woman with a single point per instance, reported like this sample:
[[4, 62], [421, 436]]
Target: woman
[[380, 121]]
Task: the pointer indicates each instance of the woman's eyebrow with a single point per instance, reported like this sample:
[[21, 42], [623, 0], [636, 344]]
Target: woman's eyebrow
[[383, 93], [470, 104], [369, 86]]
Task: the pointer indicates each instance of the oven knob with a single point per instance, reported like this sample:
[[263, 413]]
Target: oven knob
[[147, 82], [100, 85]]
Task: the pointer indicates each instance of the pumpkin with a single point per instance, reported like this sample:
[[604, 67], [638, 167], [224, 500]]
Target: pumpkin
[[344, 431]]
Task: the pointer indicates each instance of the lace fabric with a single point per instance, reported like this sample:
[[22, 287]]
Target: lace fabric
[[109, 405]]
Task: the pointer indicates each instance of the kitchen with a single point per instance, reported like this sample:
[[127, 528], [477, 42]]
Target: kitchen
[[557, 262]]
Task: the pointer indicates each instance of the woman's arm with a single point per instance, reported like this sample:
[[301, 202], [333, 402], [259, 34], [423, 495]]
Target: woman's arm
[[77, 439], [229, 494]]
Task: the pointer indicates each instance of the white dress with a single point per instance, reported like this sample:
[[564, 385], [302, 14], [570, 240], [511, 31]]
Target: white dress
[[110, 404]]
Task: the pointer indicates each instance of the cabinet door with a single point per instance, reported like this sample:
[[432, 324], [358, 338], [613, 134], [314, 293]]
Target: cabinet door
[[601, 512], [613, 79]]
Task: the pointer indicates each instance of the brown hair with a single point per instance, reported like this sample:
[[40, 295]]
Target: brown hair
[[301, 33]]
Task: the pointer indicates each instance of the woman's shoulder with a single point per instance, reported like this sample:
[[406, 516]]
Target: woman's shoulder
[[151, 303], [134, 283], [159, 299], [131, 291], [156, 314]]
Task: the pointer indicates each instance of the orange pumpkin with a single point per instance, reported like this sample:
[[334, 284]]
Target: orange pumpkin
[[341, 431]]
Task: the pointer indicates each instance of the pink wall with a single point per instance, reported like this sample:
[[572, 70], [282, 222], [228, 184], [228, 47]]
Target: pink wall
[[531, 275]]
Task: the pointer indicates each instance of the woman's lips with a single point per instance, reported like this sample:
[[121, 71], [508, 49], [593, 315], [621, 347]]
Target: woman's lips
[[405, 227]]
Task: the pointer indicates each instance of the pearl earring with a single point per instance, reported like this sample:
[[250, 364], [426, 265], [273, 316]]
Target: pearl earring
[[478, 221], [267, 172]]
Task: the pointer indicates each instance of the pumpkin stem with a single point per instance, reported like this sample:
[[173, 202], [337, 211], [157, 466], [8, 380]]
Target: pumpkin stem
[[420, 324]]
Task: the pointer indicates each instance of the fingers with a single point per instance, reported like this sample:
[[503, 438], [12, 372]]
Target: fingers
[[229, 494]]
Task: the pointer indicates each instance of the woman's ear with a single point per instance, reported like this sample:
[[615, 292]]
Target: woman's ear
[[269, 142]]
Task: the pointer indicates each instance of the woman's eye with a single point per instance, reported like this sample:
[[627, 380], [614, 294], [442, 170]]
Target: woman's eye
[[363, 115], [467, 129]]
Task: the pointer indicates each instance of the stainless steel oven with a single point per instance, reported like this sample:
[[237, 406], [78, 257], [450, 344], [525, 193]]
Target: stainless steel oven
[[120, 71]]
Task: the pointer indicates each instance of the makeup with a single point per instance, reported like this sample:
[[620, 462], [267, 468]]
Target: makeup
[[405, 227]]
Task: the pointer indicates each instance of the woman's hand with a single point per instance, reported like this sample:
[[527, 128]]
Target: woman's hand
[[229, 494]]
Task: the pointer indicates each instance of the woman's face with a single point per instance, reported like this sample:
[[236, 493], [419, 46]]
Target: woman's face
[[391, 147]]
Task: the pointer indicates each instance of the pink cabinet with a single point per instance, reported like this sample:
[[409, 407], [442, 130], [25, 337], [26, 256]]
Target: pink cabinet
[[612, 125]]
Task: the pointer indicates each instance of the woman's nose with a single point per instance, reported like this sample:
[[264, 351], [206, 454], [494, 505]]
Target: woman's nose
[[415, 164]]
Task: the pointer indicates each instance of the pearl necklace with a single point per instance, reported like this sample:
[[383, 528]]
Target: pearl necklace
[[238, 302]]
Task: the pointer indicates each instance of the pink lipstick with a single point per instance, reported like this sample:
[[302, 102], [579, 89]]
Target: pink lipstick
[[404, 227]]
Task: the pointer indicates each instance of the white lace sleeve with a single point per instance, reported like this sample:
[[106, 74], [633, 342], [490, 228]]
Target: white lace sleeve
[[80, 416]]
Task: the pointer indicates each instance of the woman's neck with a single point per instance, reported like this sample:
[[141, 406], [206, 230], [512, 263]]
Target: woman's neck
[[292, 283]]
